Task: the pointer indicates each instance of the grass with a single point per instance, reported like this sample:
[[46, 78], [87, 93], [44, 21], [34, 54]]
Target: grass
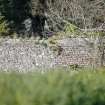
[[83, 87]]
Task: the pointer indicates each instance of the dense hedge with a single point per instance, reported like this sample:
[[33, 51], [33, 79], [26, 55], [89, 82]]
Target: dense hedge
[[54, 88]]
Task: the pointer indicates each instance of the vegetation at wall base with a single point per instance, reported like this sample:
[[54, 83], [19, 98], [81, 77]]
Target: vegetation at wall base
[[53, 88]]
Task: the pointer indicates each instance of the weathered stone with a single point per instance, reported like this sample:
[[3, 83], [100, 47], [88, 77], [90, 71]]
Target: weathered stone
[[25, 55]]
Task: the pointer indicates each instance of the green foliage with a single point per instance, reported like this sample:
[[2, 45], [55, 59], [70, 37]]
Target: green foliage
[[3, 26], [93, 33], [53, 88], [71, 30]]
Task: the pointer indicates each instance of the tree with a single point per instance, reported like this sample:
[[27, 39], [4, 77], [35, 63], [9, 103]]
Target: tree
[[15, 10], [56, 13], [38, 16], [83, 13]]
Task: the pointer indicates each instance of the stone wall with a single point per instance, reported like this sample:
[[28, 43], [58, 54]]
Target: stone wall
[[77, 51], [26, 55]]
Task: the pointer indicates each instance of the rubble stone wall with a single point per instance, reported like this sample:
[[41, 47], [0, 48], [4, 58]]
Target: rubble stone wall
[[26, 55]]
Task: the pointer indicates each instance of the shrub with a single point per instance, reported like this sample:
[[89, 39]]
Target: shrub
[[53, 88], [4, 30], [72, 30]]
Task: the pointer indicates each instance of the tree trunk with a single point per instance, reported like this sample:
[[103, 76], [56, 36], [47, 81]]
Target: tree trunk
[[38, 16]]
